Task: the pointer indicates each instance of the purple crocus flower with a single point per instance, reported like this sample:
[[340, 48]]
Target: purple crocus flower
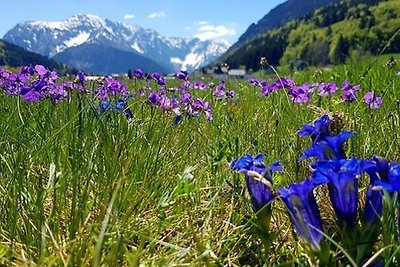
[[372, 100], [303, 211], [341, 177], [57, 93], [258, 178]]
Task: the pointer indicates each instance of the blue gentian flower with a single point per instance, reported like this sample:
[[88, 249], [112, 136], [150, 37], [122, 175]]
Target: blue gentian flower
[[121, 106], [258, 178], [318, 131], [329, 148], [383, 175], [341, 176], [303, 211]]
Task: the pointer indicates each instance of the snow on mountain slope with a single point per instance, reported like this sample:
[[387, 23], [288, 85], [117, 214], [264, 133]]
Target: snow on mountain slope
[[52, 38]]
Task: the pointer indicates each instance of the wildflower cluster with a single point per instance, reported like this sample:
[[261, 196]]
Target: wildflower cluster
[[37, 83], [179, 100], [221, 92], [303, 93], [340, 173]]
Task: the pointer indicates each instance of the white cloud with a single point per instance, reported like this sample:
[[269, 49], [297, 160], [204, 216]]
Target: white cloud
[[207, 31], [157, 15], [201, 23], [129, 16]]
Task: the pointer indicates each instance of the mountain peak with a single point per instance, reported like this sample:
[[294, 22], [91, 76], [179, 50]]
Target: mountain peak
[[93, 20], [84, 29]]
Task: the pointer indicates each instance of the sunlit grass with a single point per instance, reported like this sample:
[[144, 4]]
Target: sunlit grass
[[78, 188]]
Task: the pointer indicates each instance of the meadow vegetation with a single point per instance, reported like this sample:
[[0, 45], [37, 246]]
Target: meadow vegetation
[[85, 186]]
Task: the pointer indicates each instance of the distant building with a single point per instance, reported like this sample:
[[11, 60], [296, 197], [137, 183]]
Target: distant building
[[94, 78], [237, 73]]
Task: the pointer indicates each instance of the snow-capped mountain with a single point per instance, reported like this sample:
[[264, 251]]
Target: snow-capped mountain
[[173, 53]]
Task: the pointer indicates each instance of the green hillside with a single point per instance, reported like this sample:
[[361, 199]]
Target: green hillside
[[349, 29], [15, 56]]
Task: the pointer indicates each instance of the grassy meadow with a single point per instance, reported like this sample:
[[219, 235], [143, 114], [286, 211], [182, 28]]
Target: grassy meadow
[[80, 188]]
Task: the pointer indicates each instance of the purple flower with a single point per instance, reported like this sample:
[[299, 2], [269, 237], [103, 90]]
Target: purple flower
[[230, 94], [182, 75], [258, 178], [27, 70], [109, 86], [154, 98], [200, 86], [350, 91], [46, 74], [283, 83], [81, 77], [327, 89], [266, 90], [299, 94], [138, 73], [33, 96], [185, 98], [254, 82], [158, 78], [220, 90], [303, 211], [349, 96], [372, 100], [347, 86]]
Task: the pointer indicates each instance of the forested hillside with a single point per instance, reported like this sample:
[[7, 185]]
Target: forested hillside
[[15, 56], [330, 35], [278, 16]]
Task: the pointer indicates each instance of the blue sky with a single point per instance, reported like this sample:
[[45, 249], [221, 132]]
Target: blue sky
[[206, 19]]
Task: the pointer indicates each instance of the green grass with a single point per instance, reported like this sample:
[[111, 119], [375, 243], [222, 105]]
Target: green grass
[[81, 189]]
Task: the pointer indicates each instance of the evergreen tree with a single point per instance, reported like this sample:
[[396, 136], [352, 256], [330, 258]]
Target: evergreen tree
[[338, 50]]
